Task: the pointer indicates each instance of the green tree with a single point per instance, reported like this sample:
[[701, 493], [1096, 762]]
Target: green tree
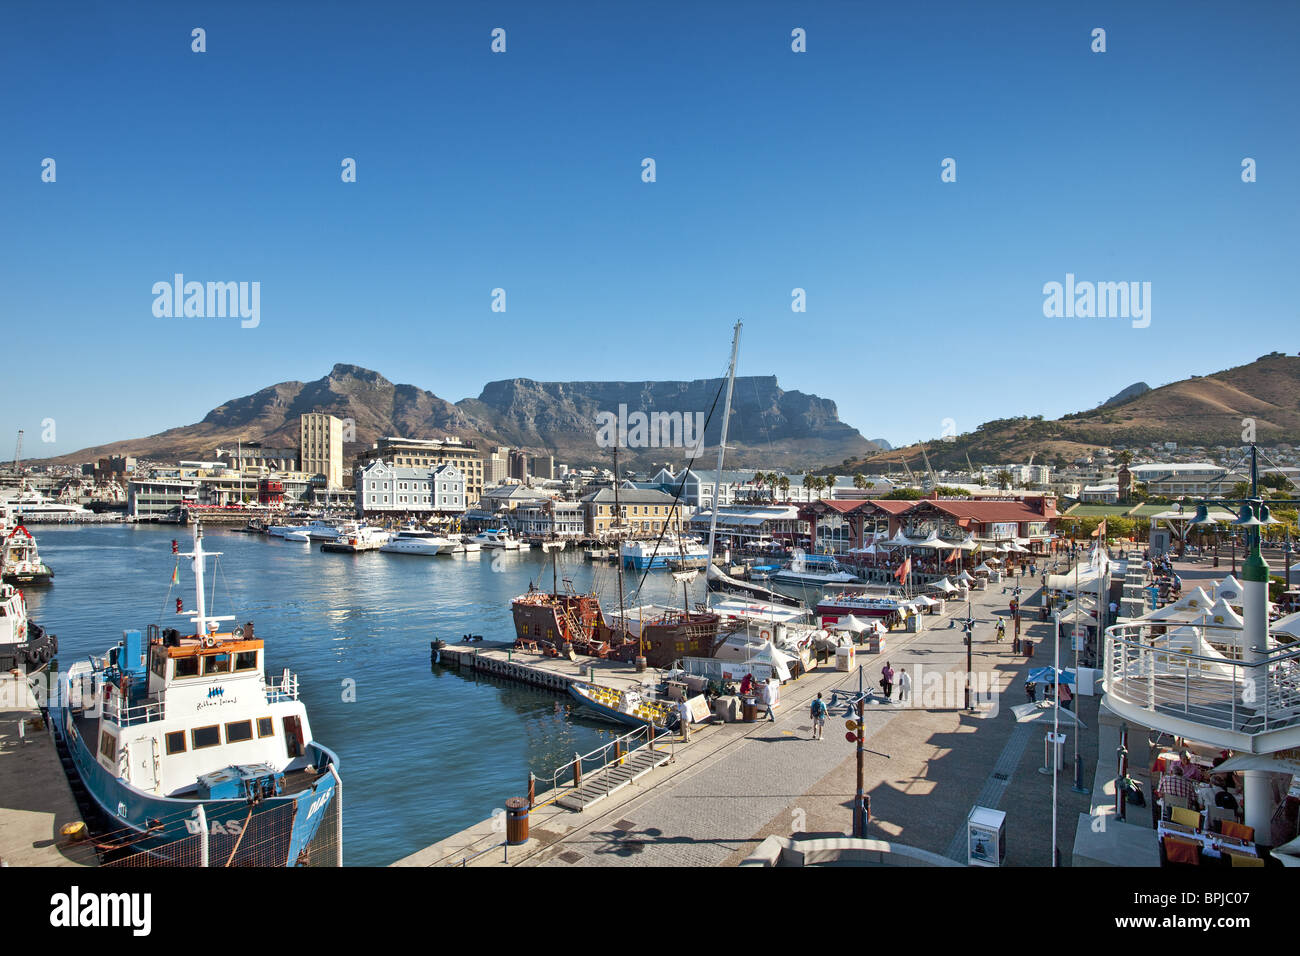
[[829, 484], [1004, 479], [860, 481], [784, 482]]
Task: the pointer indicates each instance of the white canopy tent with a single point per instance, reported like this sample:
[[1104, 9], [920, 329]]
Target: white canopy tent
[[1229, 588], [943, 585]]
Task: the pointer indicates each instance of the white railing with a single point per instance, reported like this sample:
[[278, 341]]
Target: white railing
[[283, 688], [1151, 667]]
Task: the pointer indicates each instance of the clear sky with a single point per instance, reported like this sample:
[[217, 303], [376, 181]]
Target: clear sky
[[775, 170]]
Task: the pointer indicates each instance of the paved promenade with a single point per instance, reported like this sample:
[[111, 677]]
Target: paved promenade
[[929, 763]]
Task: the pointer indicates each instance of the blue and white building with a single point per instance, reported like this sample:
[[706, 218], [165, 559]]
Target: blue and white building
[[384, 488]]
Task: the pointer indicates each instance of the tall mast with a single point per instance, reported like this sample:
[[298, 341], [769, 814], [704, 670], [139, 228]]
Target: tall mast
[[618, 550], [722, 450]]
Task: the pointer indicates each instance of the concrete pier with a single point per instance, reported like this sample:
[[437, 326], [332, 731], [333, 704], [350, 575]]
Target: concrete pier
[[35, 799]]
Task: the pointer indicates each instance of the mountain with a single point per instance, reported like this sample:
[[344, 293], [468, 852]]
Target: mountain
[[883, 445], [770, 427], [1201, 410], [1127, 394]]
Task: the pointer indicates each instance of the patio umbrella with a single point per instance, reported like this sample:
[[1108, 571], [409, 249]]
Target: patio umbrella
[[853, 625], [1048, 675]]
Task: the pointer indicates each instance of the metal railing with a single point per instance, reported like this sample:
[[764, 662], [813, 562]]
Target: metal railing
[[282, 688], [568, 777], [1153, 667]]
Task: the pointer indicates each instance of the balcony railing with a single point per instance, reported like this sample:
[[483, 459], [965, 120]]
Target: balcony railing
[[1178, 670]]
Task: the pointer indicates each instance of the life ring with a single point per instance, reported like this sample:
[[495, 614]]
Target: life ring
[[765, 635]]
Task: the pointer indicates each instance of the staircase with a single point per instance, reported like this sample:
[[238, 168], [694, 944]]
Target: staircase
[[601, 783]]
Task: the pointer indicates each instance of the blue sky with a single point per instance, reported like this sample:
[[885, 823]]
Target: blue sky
[[522, 171]]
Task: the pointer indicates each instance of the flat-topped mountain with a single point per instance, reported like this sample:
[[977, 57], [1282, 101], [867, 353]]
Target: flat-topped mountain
[[769, 427]]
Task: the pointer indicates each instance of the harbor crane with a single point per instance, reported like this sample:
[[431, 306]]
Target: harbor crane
[[18, 452]]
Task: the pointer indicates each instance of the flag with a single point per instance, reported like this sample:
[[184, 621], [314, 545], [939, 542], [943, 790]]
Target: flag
[[903, 570], [176, 573], [952, 557]]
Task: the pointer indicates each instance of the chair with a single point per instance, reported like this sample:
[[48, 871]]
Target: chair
[[1175, 800], [1186, 817], [1219, 815], [1239, 830], [1243, 859], [1182, 852]]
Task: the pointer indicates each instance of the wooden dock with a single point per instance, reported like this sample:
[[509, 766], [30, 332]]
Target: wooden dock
[[500, 659], [35, 798]]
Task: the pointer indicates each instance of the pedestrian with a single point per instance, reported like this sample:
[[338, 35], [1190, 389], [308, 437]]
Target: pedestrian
[[817, 711], [1063, 696], [1031, 692], [765, 696], [684, 719], [746, 685], [887, 680], [904, 686]]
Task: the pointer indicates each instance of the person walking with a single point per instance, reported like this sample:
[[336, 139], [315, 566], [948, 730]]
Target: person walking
[[904, 686], [887, 680], [817, 711], [1002, 630], [684, 719], [765, 696]]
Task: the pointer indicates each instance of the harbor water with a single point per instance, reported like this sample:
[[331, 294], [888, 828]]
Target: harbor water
[[425, 752]]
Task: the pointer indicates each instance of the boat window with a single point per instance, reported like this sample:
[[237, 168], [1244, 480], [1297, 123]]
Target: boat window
[[108, 745], [239, 731], [216, 664], [186, 667], [246, 661], [265, 727], [159, 666], [176, 742], [206, 736]]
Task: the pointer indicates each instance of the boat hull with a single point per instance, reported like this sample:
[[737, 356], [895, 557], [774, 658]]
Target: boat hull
[[275, 832]]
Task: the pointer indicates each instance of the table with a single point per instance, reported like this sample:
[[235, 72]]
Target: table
[[1212, 844]]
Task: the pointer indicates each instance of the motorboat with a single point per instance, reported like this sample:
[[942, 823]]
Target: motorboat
[[497, 539], [418, 541]]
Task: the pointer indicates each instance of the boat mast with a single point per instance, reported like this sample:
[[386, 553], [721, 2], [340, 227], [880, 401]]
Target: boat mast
[[618, 552], [722, 450]]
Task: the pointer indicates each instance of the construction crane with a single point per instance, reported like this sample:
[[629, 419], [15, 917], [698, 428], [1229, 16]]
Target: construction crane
[[18, 452], [929, 468], [971, 468]]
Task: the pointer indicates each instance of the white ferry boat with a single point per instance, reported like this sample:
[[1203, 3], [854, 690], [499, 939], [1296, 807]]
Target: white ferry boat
[[31, 505], [663, 552], [419, 541], [177, 735]]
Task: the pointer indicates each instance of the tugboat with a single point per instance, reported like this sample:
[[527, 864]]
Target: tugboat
[[23, 644], [176, 735], [21, 561]]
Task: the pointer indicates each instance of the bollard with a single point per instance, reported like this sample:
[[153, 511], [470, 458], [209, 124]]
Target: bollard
[[577, 770], [516, 821], [532, 790], [618, 751]]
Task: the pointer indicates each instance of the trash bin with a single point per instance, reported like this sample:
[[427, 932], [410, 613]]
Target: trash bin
[[517, 821], [749, 709], [1054, 742]]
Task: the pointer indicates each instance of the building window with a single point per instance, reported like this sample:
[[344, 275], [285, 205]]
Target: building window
[[108, 746], [238, 731]]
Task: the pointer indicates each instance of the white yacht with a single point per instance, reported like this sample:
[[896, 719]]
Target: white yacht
[[419, 541], [31, 505], [363, 538], [323, 530], [466, 545], [499, 538], [812, 569]]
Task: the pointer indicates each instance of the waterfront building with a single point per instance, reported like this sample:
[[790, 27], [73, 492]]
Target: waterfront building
[[744, 523], [400, 489], [429, 454], [320, 447], [506, 498], [550, 519], [255, 458], [1173, 479], [496, 467], [1100, 494], [1029, 517], [643, 512], [158, 496]]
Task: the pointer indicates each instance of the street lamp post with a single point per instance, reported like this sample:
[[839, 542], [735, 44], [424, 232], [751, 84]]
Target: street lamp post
[[968, 626]]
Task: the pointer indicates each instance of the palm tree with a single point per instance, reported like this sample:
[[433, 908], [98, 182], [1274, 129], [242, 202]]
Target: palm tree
[[830, 484], [759, 478], [784, 482], [1004, 480], [860, 481]]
